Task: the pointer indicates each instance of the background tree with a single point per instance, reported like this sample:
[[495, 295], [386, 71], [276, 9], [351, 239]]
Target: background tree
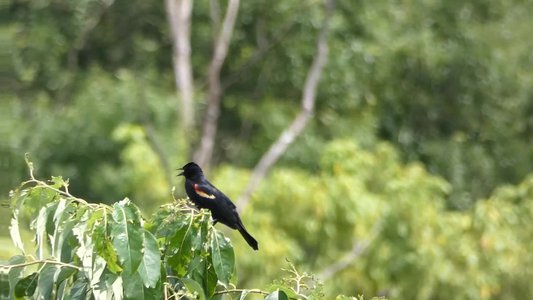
[[414, 168]]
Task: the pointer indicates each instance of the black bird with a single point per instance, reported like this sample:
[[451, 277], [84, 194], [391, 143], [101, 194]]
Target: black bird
[[205, 195]]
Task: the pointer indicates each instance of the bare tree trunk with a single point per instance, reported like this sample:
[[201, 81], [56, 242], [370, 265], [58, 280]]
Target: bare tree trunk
[[297, 126], [179, 17], [222, 39]]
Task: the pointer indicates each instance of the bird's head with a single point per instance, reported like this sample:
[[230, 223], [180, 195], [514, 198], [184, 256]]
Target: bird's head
[[191, 170]]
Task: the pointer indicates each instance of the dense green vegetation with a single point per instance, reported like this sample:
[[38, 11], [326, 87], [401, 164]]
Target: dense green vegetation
[[412, 180], [95, 251]]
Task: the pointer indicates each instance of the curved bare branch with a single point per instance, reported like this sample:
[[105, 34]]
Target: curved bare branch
[[298, 125]]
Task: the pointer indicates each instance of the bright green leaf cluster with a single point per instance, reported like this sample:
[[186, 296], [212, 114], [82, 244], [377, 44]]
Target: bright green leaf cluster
[[86, 250]]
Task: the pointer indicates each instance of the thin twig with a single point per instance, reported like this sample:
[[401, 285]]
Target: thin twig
[[65, 193], [358, 248], [45, 261], [252, 291]]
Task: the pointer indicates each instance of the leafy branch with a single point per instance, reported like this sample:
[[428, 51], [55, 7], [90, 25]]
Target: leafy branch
[[89, 250], [57, 181]]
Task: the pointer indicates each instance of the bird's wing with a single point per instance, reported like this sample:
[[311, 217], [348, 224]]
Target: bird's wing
[[205, 190], [218, 194]]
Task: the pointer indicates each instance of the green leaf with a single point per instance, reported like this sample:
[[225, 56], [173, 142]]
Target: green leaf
[[58, 182], [85, 250], [79, 288], [162, 223], [210, 279], [98, 274], [284, 288], [14, 232], [60, 208], [223, 257], [277, 295], [201, 270], [63, 240], [18, 198], [135, 289], [26, 286], [180, 245], [193, 287], [104, 247], [81, 229], [40, 231], [204, 220], [118, 288], [196, 268], [150, 267], [104, 282], [62, 290], [64, 220], [63, 273], [15, 274], [46, 281], [244, 294], [44, 227], [37, 198], [127, 235], [96, 217]]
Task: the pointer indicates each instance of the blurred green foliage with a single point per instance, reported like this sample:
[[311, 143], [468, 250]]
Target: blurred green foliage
[[416, 167], [407, 244], [448, 83]]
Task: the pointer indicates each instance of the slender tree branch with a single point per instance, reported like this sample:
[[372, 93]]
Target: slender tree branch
[[252, 291], [297, 126], [45, 261], [179, 17], [358, 248], [222, 39], [65, 193]]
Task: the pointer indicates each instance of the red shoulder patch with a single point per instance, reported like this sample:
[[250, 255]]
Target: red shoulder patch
[[201, 193]]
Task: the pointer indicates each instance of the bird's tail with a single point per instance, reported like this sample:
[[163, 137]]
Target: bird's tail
[[248, 237]]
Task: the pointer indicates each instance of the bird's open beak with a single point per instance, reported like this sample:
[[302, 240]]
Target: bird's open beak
[[180, 174]]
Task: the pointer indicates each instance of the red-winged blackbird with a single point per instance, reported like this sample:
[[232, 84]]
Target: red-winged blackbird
[[205, 195]]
